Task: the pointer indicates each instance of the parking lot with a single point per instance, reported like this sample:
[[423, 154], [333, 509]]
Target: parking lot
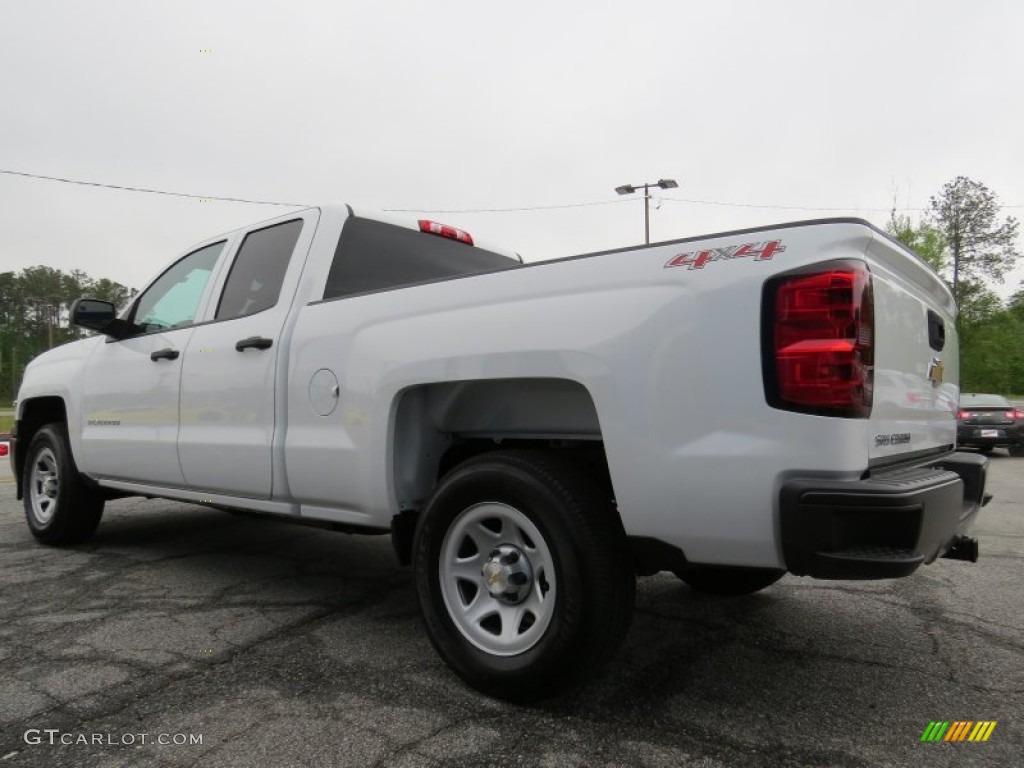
[[279, 646]]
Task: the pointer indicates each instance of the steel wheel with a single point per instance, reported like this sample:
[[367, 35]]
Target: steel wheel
[[523, 574], [60, 506], [497, 578], [44, 485]]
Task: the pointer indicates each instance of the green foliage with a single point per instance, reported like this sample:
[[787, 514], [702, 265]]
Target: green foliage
[[964, 242], [992, 356], [966, 212], [34, 310], [924, 239]]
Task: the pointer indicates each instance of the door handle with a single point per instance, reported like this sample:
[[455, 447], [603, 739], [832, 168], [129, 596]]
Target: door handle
[[253, 342], [164, 354], [936, 332]]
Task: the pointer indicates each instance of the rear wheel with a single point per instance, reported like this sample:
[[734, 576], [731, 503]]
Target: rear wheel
[[522, 574], [1016, 450], [985, 449], [59, 507], [729, 580]]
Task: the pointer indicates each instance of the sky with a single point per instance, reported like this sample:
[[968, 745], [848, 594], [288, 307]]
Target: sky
[[769, 110]]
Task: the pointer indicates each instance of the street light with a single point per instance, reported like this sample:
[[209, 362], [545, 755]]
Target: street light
[[629, 189]]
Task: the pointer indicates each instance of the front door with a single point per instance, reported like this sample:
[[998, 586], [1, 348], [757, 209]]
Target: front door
[[131, 386]]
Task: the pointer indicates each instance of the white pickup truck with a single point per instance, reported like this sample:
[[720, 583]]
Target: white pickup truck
[[729, 408]]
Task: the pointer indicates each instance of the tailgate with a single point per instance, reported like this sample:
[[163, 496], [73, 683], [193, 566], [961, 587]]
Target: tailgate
[[917, 365]]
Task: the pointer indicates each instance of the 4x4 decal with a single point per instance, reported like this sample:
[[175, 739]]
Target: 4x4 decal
[[697, 259]]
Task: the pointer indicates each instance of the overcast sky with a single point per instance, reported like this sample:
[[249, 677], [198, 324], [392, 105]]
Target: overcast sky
[[471, 105]]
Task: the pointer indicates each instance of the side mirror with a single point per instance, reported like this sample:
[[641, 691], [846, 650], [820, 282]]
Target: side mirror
[[100, 316]]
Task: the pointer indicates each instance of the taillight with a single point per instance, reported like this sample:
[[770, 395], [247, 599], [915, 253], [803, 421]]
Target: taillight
[[1016, 414], [3, 449], [444, 230], [963, 415], [819, 339]]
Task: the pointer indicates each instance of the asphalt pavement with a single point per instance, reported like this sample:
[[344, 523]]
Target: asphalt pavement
[[281, 646]]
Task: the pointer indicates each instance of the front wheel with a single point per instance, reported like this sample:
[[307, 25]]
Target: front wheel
[[522, 574], [59, 507], [729, 581]]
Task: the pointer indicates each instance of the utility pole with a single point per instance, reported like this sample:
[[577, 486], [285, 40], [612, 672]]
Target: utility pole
[[51, 306], [628, 189]]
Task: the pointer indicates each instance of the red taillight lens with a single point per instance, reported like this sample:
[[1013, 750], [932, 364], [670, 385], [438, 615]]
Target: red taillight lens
[[444, 230], [822, 337], [963, 415], [1016, 414], [3, 449]]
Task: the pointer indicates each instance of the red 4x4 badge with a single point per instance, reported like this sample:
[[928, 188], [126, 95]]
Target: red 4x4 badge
[[697, 259]]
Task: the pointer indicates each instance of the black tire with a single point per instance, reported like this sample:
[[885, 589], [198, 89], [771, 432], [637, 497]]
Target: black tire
[[985, 449], [728, 580], [581, 558], [1016, 450], [59, 506]]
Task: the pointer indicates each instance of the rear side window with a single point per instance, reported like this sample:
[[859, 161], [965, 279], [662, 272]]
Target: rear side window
[[254, 283], [374, 256]]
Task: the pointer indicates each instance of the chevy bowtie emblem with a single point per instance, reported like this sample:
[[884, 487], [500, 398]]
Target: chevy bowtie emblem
[[935, 371]]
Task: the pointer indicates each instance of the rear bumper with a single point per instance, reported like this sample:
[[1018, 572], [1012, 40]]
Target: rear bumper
[[882, 527], [1007, 435]]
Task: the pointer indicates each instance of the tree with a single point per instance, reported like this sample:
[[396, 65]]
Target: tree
[[980, 247], [34, 309], [926, 240], [991, 335]]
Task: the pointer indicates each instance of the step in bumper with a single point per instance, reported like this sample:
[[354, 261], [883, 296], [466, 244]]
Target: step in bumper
[[881, 527]]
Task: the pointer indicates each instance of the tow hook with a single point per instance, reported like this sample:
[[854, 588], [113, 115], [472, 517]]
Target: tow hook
[[963, 548]]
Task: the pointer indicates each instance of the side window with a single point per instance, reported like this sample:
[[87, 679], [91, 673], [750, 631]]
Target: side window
[[173, 300], [254, 282]]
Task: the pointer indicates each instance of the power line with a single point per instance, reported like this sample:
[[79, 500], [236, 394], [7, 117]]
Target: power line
[[149, 191], [783, 207], [517, 209], [505, 210], [797, 207]]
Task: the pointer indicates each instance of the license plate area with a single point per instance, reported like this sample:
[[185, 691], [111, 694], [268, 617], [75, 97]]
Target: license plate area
[[990, 433]]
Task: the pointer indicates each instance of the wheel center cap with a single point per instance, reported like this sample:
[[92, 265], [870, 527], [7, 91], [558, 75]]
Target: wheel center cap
[[50, 487], [508, 574]]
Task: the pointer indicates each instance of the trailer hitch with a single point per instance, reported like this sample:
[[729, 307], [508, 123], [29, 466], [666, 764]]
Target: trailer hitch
[[963, 548]]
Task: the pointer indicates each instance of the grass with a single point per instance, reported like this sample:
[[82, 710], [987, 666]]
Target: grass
[[6, 422]]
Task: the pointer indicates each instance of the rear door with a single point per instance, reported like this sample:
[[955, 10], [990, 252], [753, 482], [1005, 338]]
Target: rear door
[[916, 381], [230, 376]]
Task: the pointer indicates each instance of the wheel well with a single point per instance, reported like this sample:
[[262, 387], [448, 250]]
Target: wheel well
[[35, 414], [438, 426]]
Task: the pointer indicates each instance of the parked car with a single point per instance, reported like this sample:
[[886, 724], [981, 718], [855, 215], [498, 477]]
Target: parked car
[[989, 421]]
